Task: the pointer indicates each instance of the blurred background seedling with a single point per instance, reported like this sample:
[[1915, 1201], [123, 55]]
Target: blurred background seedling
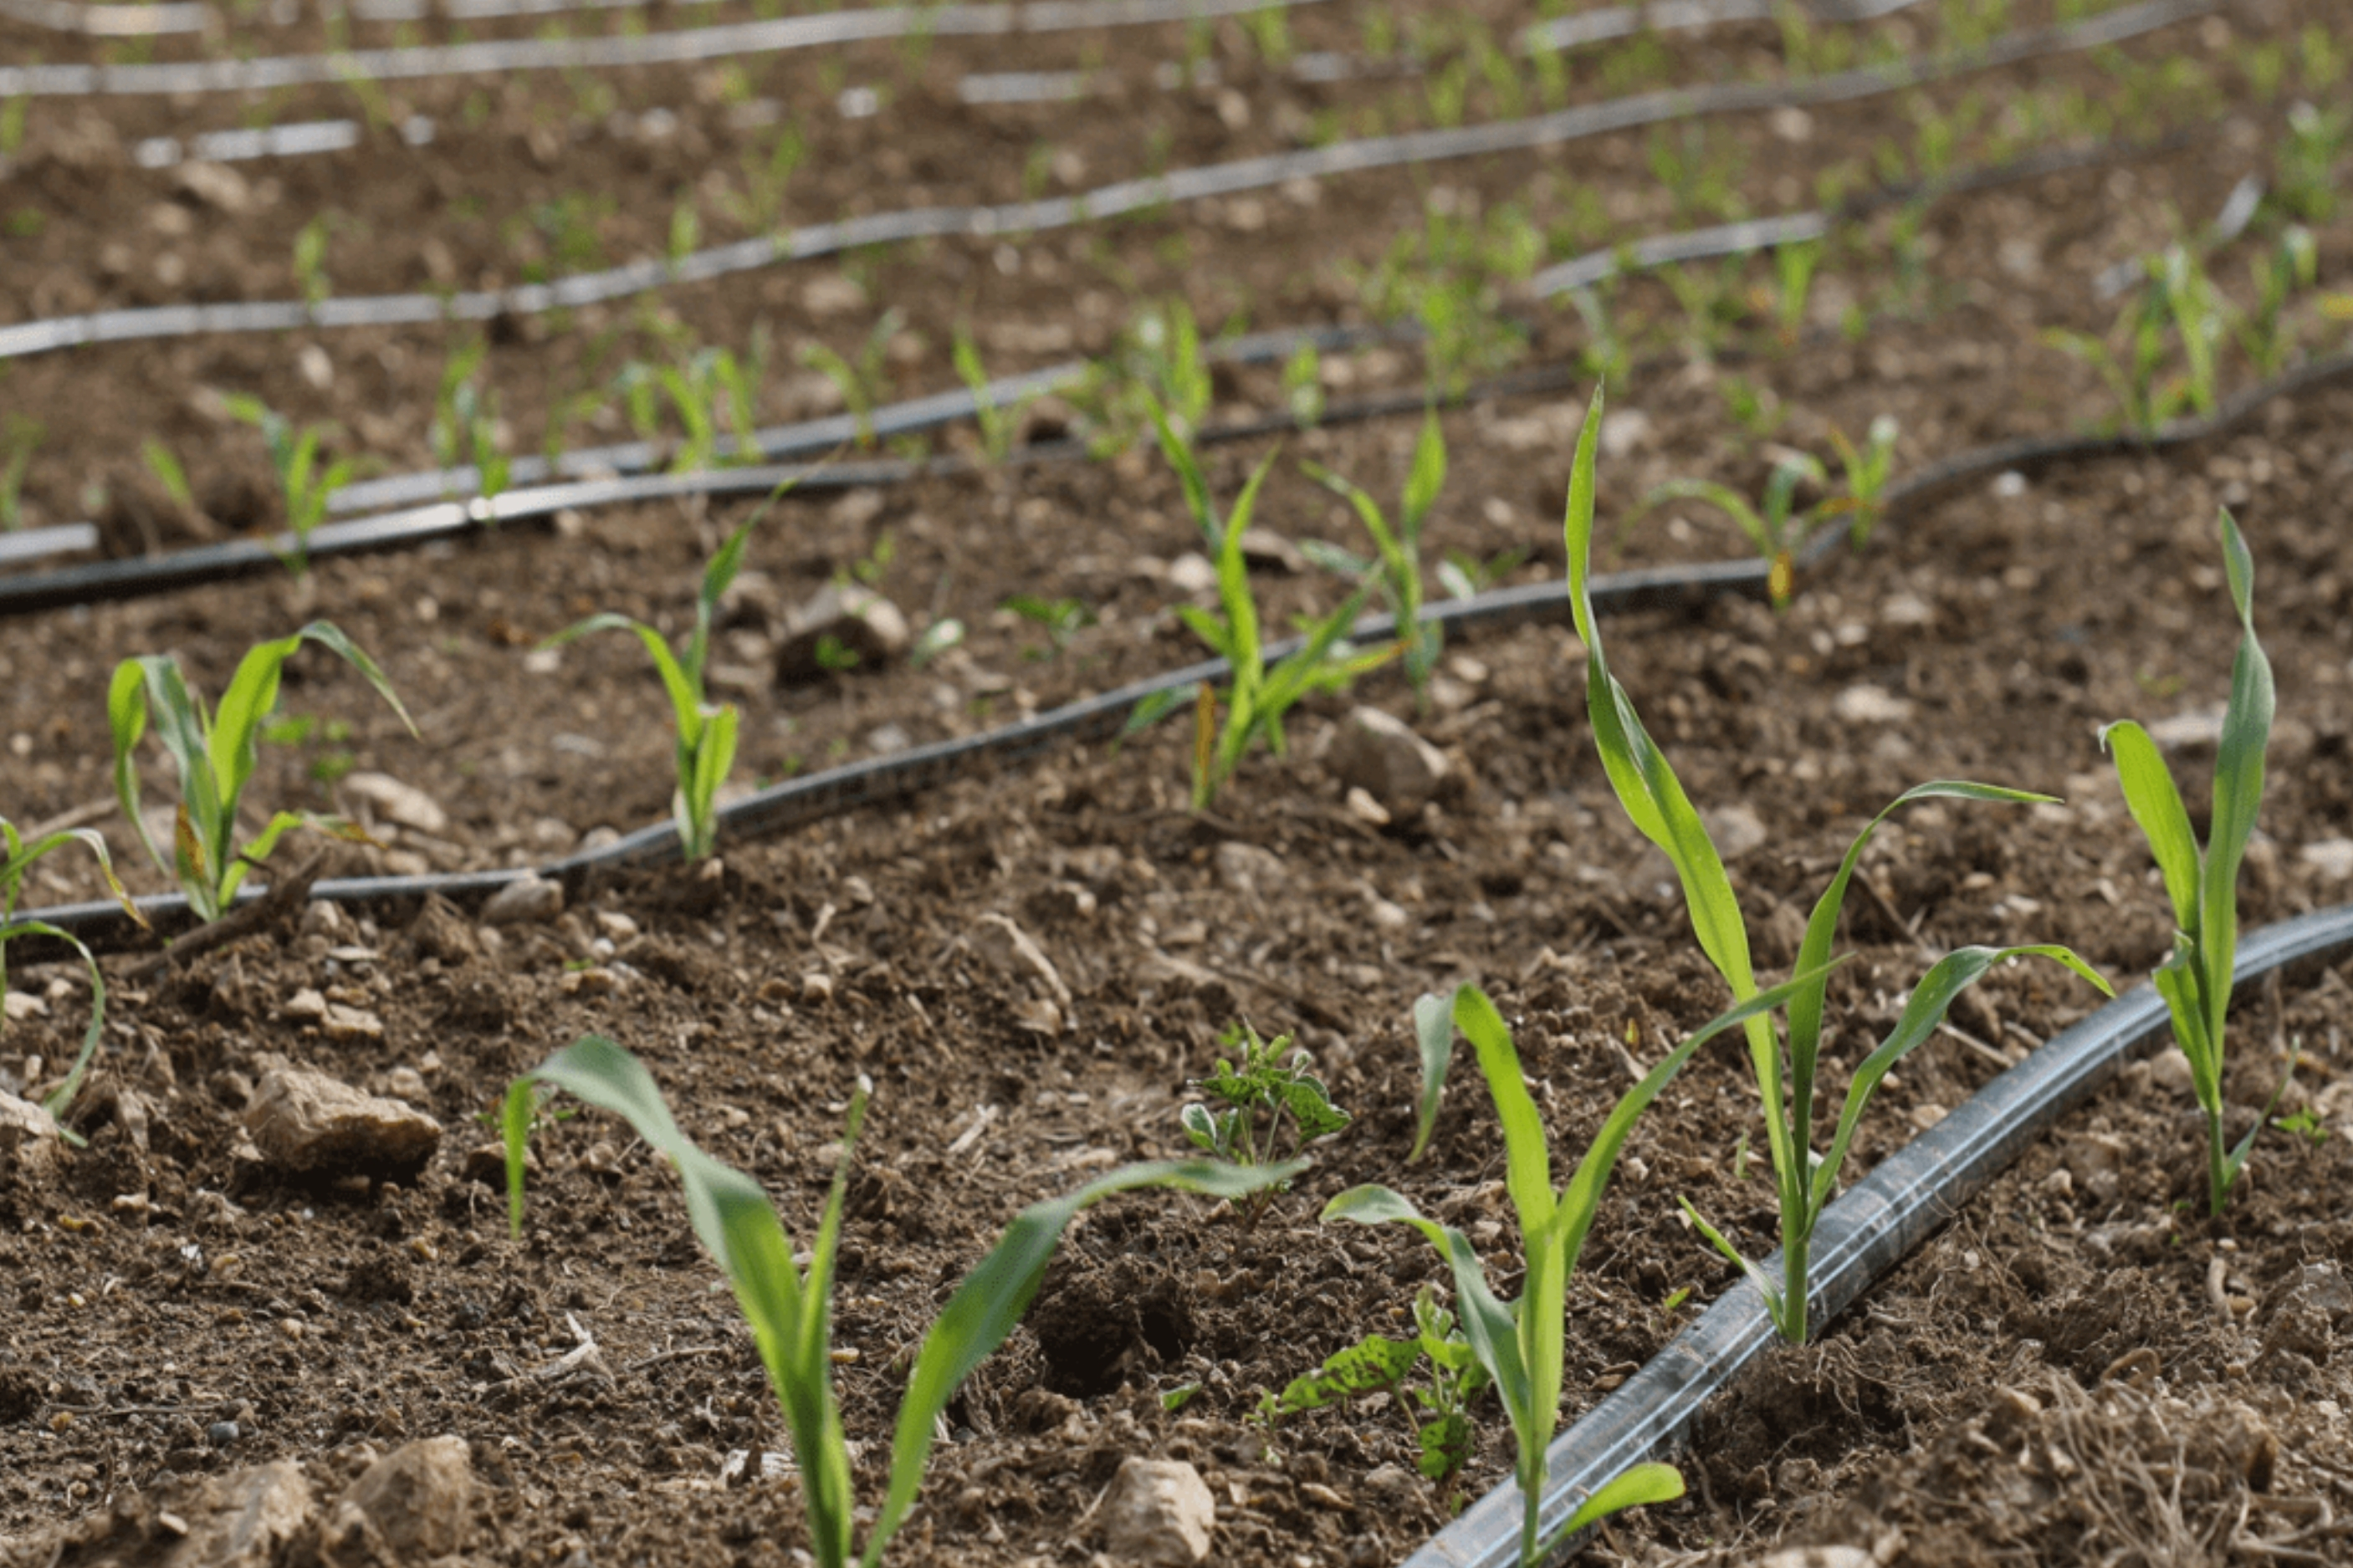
[[17, 857], [1060, 619], [304, 485], [19, 439], [1774, 526], [1397, 564], [861, 378]]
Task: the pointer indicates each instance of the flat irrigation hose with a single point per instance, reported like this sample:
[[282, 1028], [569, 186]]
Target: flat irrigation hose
[[683, 45], [797, 802], [51, 334], [1863, 1235]]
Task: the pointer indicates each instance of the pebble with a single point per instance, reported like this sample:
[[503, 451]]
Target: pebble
[[305, 1121], [1380, 754], [526, 901], [1248, 869], [2332, 857], [1867, 704], [28, 1136], [414, 1501], [398, 803], [1158, 1513], [861, 621]]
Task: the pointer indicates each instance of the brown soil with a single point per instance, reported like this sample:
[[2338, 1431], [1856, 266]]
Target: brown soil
[[1990, 1396]]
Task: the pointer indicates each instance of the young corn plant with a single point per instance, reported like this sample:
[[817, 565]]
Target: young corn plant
[[1259, 695], [17, 857], [214, 754], [302, 484], [705, 750], [1868, 468], [1775, 527], [1522, 1344], [1654, 798], [1000, 423], [24, 438], [1399, 569], [789, 1306], [2204, 884], [465, 422], [1267, 1086], [860, 380]]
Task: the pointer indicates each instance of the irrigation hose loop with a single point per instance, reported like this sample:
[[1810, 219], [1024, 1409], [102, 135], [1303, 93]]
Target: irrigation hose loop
[[1862, 1236]]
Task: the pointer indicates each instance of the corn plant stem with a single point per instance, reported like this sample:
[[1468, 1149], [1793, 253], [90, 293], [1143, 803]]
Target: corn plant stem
[[48, 334], [1908, 1197]]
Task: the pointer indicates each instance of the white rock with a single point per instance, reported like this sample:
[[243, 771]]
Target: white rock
[[1868, 704], [305, 1121], [1365, 808], [2199, 730], [526, 901], [415, 1501], [1907, 610], [305, 1006], [351, 1025], [398, 803], [2170, 1071], [2332, 857], [21, 1008], [1736, 829], [1268, 551], [1012, 952], [1191, 573], [1815, 1557], [28, 1135], [1158, 1513], [1381, 755], [1623, 431], [861, 622], [1247, 869]]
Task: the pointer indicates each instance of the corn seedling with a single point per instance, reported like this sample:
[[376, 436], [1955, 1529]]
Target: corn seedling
[[1379, 1364], [1258, 696], [789, 1306], [1465, 577], [17, 859], [859, 381], [705, 749], [1520, 1343], [2305, 162], [1266, 1088], [303, 486], [2293, 263], [1775, 527], [1448, 278], [1000, 424], [1060, 619], [214, 754], [1793, 283], [165, 467], [2204, 884], [311, 262], [1867, 469], [465, 422], [1303, 386], [1653, 799], [23, 439], [1399, 568]]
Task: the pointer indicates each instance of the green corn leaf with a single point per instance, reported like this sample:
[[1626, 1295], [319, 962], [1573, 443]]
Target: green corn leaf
[[1208, 628], [1767, 1286], [1330, 557], [1731, 502], [1527, 1162], [60, 1098], [1581, 1200], [1645, 1483], [1946, 979], [2154, 802], [1821, 931], [1490, 1325], [1158, 706], [2238, 786], [1426, 477], [990, 1303], [1433, 1031], [1194, 484]]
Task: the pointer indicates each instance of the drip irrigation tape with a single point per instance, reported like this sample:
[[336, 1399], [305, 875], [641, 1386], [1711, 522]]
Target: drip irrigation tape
[[800, 801], [112, 21], [797, 802], [683, 45], [815, 438], [48, 334], [1906, 1197]]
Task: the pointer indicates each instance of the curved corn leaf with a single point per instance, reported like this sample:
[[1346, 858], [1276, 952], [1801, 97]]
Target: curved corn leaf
[[2238, 786], [1433, 1031], [2154, 802], [1645, 1483], [1946, 979], [59, 1099]]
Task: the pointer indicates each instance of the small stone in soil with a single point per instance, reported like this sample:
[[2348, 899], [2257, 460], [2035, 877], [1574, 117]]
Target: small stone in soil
[[526, 901], [1158, 1513]]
